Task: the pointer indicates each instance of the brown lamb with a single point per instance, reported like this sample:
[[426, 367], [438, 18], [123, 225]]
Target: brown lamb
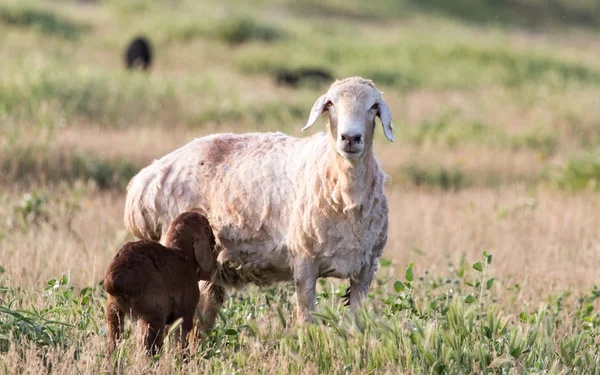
[[159, 284]]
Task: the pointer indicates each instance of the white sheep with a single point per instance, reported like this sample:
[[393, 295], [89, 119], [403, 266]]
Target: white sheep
[[282, 208]]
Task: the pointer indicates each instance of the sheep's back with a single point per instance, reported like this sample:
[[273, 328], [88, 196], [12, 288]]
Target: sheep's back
[[245, 183]]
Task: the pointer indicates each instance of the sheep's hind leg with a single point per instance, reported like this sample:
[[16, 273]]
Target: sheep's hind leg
[[211, 298]]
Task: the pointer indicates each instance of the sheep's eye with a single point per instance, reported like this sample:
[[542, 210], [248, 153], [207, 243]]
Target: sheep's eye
[[375, 107], [328, 105]]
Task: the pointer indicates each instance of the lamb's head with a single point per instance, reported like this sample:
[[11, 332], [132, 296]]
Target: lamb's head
[[191, 232], [353, 104]]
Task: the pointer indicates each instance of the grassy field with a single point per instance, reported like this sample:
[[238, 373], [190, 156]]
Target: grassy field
[[494, 249]]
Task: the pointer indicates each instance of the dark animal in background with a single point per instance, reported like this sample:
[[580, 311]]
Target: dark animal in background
[[293, 78], [159, 284], [139, 54]]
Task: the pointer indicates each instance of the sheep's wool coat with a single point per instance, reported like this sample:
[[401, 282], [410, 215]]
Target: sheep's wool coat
[[271, 199]]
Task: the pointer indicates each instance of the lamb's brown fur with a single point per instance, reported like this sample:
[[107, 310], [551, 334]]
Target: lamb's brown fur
[[159, 284]]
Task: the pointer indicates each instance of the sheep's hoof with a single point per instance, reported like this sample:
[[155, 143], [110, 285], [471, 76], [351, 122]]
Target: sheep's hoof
[[346, 297]]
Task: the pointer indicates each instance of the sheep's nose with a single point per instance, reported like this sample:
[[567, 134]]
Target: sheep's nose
[[351, 138]]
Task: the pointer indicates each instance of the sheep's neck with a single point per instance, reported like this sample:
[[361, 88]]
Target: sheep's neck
[[350, 183]]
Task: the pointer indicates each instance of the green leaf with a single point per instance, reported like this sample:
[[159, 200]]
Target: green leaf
[[489, 259], [439, 367], [415, 338], [523, 316], [231, 332], [515, 353], [281, 317], [399, 286], [469, 299], [478, 266], [383, 262], [488, 332], [409, 273], [418, 251], [489, 283]]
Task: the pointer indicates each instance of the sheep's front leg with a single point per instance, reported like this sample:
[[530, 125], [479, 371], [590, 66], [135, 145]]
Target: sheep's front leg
[[305, 278], [359, 286]]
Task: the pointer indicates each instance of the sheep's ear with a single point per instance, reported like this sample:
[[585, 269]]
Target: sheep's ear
[[386, 120], [317, 110]]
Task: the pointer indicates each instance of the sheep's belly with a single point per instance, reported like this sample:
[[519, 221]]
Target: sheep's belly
[[258, 262], [343, 261]]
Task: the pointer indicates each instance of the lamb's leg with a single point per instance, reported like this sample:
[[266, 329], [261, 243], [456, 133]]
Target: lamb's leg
[[211, 298], [154, 330], [115, 319], [181, 335], [305, 277]]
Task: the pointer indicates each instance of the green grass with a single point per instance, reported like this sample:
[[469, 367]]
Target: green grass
[[435, 176], [453, 130], [38, 164], [579, 173], [409, 64], [528, 14], [44, 21], [422, 324], [520, 13], [111, 99], [242, 29]]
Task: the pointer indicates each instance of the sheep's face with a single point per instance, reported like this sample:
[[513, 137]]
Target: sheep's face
[[353, 105]]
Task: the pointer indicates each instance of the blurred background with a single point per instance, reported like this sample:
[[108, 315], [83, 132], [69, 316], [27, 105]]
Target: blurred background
[[496, 106]]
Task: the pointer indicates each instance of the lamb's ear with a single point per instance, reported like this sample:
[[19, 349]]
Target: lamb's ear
[[203, 253], [317, 110], [386, 120]]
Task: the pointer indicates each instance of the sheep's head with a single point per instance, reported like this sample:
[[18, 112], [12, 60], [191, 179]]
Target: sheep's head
[[353, 104], [191, 230]]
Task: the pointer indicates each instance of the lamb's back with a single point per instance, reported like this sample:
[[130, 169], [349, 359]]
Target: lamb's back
[[143, 266]]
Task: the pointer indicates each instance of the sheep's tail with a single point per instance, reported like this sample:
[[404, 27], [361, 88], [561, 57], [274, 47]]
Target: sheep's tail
[[140, 216]]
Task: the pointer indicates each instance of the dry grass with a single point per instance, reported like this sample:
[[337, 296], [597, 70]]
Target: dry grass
[[544, 240]]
